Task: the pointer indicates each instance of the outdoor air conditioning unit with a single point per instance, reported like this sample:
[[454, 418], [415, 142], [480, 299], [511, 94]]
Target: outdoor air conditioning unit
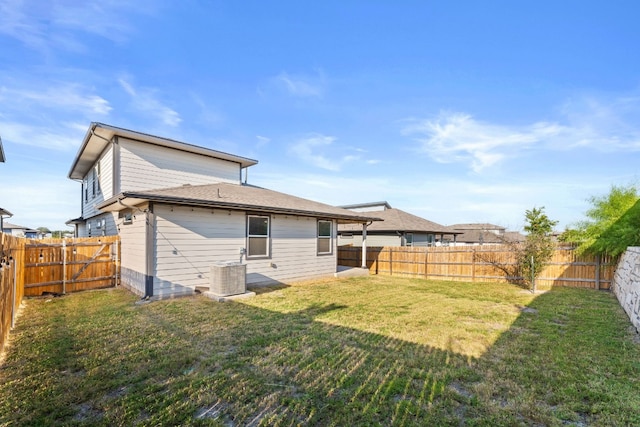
[[228, 278]]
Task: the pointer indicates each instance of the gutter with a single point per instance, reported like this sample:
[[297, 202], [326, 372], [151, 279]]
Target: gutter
[[234, 206]]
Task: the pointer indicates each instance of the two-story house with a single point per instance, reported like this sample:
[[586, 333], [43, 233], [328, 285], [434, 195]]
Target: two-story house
[[179, 208]]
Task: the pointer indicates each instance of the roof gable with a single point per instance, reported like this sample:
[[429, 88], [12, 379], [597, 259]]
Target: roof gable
[[99, 135]]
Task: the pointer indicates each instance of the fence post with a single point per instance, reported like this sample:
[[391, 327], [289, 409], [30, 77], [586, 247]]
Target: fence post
[[390, 261], [598, 272], [426, 262], [64, 267], [473, 264], [15, 290]]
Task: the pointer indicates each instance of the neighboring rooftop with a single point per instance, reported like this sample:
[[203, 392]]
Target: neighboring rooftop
[[477, 226], [368, 207], [235, 197], [485, 233], [396, 220]]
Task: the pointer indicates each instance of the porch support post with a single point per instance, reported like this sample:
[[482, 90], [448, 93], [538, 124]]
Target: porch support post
[[364, 245]]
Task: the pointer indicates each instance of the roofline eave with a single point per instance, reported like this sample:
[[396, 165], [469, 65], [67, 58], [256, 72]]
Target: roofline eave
[[119, 202]]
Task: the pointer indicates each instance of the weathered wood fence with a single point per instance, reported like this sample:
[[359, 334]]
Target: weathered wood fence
[[480, 264], [11, 282], [61, 266], [57, 266]]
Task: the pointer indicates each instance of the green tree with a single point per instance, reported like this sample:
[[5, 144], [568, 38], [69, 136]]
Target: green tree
[[612, 224], [537, 247], [536, 252]]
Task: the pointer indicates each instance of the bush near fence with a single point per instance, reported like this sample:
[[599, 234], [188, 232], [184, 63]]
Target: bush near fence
[[479, 264]]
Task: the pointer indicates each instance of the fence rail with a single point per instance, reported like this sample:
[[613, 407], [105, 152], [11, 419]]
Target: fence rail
[[480, 264], [61, 266]]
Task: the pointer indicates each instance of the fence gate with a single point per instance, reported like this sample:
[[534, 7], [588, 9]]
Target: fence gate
[[61, 266]]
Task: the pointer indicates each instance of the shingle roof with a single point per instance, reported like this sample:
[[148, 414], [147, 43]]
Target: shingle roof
[[477, 226], [479, 236], [236, 197], [398, 220]]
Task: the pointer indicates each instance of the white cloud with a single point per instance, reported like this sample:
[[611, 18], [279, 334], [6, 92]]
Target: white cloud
[[301, 86], [145, 100], [262, 140], [66, 96], [603, 125], [61, 136], [307, 150], [458, 137], [60, 24], [320, 151]]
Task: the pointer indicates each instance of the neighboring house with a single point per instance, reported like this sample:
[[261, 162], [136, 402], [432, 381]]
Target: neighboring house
[[19, 230], [4, 213], [485, 234], [398, 228], [179, 208]]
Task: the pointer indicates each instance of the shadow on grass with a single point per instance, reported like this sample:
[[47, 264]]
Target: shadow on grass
[[195, 362]]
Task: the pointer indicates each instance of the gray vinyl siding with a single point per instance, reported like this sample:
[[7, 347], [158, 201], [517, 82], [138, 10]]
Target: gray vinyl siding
[[393, 240], [133, 253], [110, 227], [146, 166], [189, 241], [372, 240], [105, 184], [423, 240]]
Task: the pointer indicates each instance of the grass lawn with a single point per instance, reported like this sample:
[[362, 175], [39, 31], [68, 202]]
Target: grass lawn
[[361, 351]]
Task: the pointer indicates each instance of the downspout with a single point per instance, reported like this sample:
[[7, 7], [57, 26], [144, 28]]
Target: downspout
[[149, 245], [149, 249]]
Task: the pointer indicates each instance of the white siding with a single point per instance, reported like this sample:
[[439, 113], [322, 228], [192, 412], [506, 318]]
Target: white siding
[[189, 241], [294, 250], [133, 253], [105, 184], [146, 166]]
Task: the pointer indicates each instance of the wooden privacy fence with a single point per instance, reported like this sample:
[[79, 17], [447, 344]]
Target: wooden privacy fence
[[69, 265], [11, 282], [480, 264], [31, 267]]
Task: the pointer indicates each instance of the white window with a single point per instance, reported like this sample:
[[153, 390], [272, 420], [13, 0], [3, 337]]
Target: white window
[[97, 177], [325, 243], [126, 216], [257, 236], [408, 239]]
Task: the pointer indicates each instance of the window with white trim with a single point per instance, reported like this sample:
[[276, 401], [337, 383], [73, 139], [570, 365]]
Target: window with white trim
[[325, 242], [257, 236], [408, 239]]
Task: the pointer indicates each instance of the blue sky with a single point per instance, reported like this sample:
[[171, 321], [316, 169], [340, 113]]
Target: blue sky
[[457, 111]]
